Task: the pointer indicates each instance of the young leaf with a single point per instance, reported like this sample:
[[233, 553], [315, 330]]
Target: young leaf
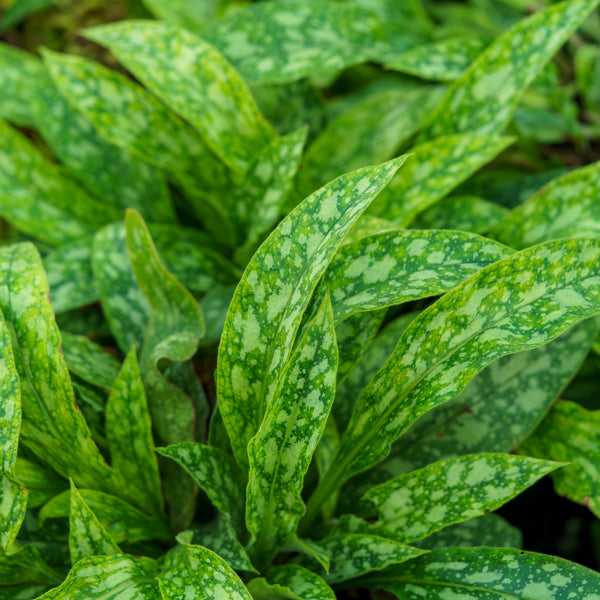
[[87, 537], [417, 504], [571, 433], [518, 303], [258, 334], [203, 88], [215, 473], [483, 100], [485, 573], [174, 328], [395, 267], [109, 578], [304, 583], [433, 170], [52, 427], [566, 207], [129, 436], [281, 451], [197, 571], [38, 199]]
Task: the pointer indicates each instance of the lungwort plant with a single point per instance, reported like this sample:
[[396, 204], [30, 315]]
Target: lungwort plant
[[240, 362]]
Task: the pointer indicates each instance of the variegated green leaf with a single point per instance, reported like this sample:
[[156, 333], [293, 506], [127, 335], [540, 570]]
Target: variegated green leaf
[[571, 433], [66, 291], [89, 361], [369, 225], [25, 564], [486, 574], [395, 267], [129, 436], [215, 473], [566, 207], [26, 591], [87, 537], [52, 427], [465, 213], [372, 130], [196, 571], [354, 554], [108, 100], [203, 88], [281, 451], [484, 98], [417, 504], [19, 71], [258, 335], [499, 408], [193, 15], [123, 522], [304, 583], [123, 302], [174, 328], [445, 60], [284, 42], [41, 483], [518, 303], [38, 199], [313, 550], [261, 589], [116, 577], [433, 170]]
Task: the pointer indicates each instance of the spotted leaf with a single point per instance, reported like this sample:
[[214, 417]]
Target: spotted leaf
[[417, 504], [483, 100], [257, 335], [281, 451], [302, 582], [486, 573], [203, 88]]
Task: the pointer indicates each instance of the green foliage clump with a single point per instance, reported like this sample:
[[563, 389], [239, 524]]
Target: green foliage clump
[[268, 329]]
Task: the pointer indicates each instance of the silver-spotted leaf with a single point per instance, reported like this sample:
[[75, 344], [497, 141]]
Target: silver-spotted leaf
[[87, 537], [274, 291], [304, 583], [196, 81], [484, 98], [281, 451]]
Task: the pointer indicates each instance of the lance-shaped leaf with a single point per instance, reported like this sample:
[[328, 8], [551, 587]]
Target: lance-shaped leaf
[[41, 484], [465, 213], [372, 130], [304, 583], [24, 564], [417, 504], [433, 170], [109, 99], [106, 170], [174, 328], [123, 522], [486, 573], [194, 15], [395, 267], [194, 570], [281, 451], [13, 495], [571, 433], [445, 60], [89, 361], [354, 554], [52, 427], [274, 291], [261, 589], [123, 303], [109, 578], [215, 472], [19, 74], [66, 291], [285, 42], [566, 207], [499, 408], [203, 88], [129, 435], [518, 303], [39, 200], [87, 537], [484, 98]]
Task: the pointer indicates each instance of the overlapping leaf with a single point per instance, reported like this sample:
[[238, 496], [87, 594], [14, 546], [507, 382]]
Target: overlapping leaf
[[281, 451], [304, 583], [257, 336]]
